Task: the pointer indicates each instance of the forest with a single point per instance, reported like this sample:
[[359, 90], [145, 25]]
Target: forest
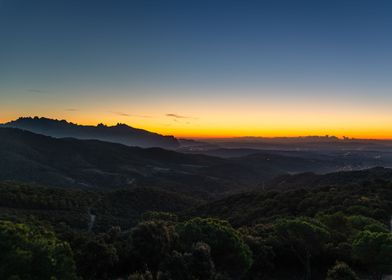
[[340, 231]]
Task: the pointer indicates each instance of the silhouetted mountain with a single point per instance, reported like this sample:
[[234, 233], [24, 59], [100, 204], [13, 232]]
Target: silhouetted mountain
[[93, 164], [119, 133]]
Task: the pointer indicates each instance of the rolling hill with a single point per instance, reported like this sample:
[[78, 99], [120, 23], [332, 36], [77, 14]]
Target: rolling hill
[[92, 164], [73, 207], [352, 193], [97, 165]]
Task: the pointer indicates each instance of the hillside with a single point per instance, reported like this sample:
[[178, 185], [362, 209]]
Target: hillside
[[119, 133], [312, 181], [265, 233], [308, 195], [93, 164], [73, 208]]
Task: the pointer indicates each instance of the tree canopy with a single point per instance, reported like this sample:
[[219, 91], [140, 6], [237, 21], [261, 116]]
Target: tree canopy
[[33, 253]]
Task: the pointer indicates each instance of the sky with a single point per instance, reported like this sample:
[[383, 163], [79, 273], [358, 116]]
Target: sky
[[201, 68]]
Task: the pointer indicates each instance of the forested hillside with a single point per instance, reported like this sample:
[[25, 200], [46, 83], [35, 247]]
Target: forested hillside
[[109, 211], [74, 207], [144, 233]]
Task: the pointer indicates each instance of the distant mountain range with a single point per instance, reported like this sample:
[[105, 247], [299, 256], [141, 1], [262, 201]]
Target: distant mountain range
[[93, 164], [222, 147], [119, 133], [306, 143]]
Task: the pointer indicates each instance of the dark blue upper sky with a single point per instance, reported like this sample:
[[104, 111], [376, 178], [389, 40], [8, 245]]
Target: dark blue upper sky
[[117, 44], [193, 42]]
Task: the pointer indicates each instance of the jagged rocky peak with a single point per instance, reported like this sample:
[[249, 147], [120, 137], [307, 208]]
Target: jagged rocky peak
[[120, 133]]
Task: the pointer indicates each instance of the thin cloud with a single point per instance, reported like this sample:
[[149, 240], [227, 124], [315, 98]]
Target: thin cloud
[[177, 116], [71, 109], [122, 114]]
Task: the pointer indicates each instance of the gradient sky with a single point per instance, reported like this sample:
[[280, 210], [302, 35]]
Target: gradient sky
[[201, 67]]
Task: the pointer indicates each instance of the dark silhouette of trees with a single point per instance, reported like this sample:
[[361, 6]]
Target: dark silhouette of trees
[[305, 237], [196, 265], [374, 251], [228, 250], [256, 235], [176, 267], [201, 265], [152, 242], [33, 253], [95, 258], [341, 271]]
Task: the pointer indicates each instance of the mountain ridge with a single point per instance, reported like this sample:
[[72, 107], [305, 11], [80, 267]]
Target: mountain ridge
[[96, 164], [120, 133]]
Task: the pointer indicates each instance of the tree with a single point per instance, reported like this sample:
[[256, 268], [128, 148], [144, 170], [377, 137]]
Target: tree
[[228, 250], [341, 271], [201, 265], [140, 276], [95, 259], [339, 226], [361, 223], [263, 263], [152, 242], [256, 238], [374, 250], [196, 265], [33, 253], [305, 237], [159, 216], [176, 267]]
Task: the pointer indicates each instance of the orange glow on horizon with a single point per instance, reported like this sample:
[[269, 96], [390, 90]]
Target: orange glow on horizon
[[209, 132], [219, 116]]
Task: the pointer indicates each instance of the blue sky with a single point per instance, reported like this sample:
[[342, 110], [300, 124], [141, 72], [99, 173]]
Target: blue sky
[[189, 50]]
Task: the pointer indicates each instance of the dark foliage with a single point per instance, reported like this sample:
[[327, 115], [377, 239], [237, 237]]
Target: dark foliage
[[276, 235], [73, 208]]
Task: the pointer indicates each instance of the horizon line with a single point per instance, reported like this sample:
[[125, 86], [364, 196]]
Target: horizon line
[[217, 137]]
